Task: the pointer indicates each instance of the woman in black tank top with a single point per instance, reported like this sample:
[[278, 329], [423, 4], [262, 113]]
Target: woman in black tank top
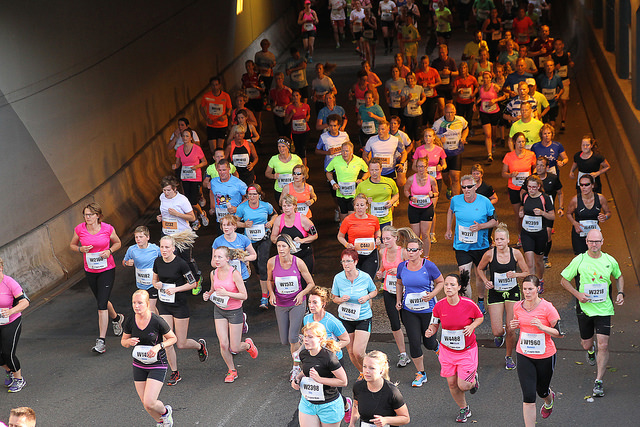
[[586, 211]]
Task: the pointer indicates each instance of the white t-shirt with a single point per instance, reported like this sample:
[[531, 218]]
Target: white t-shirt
[[178, 140], [338, 14], [172, 224], [384, 150], [332, 144]]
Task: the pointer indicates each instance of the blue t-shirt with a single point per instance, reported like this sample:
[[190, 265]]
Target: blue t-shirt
[[231, 191], [325, 112], [512, 80], [417, 282], [259, 215], [143, 263], [375, 109], [359, 288], [334, 327], [552, 153], [553, 84], [466, 215], [241, 242]]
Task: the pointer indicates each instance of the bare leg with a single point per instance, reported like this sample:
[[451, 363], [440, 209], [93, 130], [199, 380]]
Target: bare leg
[[171, 351], [398, 337], [148, 392]]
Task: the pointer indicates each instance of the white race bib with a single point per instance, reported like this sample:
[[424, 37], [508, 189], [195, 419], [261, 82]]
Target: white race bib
[[386, 161], [451, 142], [169, 224], [359, 103], [220, 301], [163, 296], [421, 200], [414, 301], [597, 292], [496, 35], [308, 26], [187, 173], [140, 354], [414, 109], [95, 261], [347, 188], [465, 92], [444, 80], [303, 208], [252, 92], [278, 111], [299, 125], [287, 285], [431, 170], [465, 235], [237, 264], [390, 283], [488, 108], [4, 320], [386, 16], [144, 275], [255, 233], [379, 209], [222, 210], [297, 76], [240, 160], [562, 72], [216, 109], [311, 390], [349, 311], [369, 127], [502, 283], [453, 339], [366, 424], [531, 223], [284, 179], [395, 99], [518, 180], [532, 343], [364, 246], [522, 38], [588, 225], [549, 93], [542, 61], [428, 91]]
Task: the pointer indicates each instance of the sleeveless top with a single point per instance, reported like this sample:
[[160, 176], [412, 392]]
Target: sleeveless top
[[306, 19], [488, 95], [417, 190], [582, 213], [496, 267], [286, 283], [297, 231], [302, 197], [228, 284]]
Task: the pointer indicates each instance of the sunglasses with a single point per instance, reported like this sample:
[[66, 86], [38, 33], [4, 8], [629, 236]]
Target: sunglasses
[[297, 173], [413, 249], [467, 187], [585, 184]]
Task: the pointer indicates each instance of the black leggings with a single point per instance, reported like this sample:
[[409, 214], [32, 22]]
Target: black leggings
[[369, 264], [9, 336], [101, 285], [416, 325], [262, 248], [392, 312], [535, 376], [300, 142]]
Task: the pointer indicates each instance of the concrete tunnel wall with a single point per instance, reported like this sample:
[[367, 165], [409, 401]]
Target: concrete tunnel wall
[[89, 95]]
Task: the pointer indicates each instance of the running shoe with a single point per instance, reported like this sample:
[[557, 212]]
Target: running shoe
[[310, 59], [195, 226], [438, 348], [198, 288], [403, 360], [175, 378], [475, 388], [117, 325], [562, 127], [598, 389], [203, 353], [19, 383], [541, 290], [464, 415], [294, 372], [591, 355], [433, 238], [245, 325], [421, 378], [519, 244], [499, 341], [510, 364], [100, 346], [204, 219], [264, 303], [547, 263], [489, 158], [9, 379], [202, 202], [338, 46], [231, 376], [481, 306], [347, 410], [544, 411], [252, 350], [167, 419], [449, 193]]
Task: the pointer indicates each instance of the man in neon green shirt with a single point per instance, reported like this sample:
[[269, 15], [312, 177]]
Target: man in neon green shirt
[[594, 269], [381, 192], [347, 168]]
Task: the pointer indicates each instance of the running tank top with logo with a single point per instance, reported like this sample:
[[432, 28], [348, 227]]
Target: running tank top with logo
[[241, 157], [302, 197], [421, 193], [287, 282], [297, 231], [498, 272]]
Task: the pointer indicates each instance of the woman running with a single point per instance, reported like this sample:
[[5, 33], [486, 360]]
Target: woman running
[[242, 154], [150, 336], [538, 321], [299, 227], [589, 161], [308, 19], [303, 192], [190, 160], [280, 167], [142, 255], [227, 293], [517, 166], [98, 241], [421, 190], [585, 212], [13, 302], [458, 356], [488, 102], [239, 242], [392, 89], [297, 115]]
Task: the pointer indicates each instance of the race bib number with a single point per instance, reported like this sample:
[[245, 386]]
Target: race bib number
[[518, 180], [287, 285], [532, 343], [95, 261], [523, 38], [169, 225], [187, 173], [163, 296], [366, 424], [422, 200], [444, 80], [386, 16], [549, 93], [284, 179], [588, 225], [364, 246], [487, 107], [144, 275], [369, 127], [563, 71], [359, 103], [508, 24], [379, 209], [428, 91], [502, 283], [368, 34], [216, 109], [453, 339], [347, 188], [496, 35], [465, 235], [395, 99], [240, 160], [465, 93], [414, 301], [349, 311], [255, 233], [311, 390], [140, 354], [431, 170], [531, 223], [414, 109], [221, 211], [597, 292], [278, 111], [303, 208], [4, 320], [333, 151], [357, 26], [451, 142], [390, 283], [308, 26], [221, 302], [237, 264], [386, 161], [297, 76], [299, 125], [252, 93]]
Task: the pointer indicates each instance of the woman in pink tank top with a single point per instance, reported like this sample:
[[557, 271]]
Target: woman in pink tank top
[[420, 189]]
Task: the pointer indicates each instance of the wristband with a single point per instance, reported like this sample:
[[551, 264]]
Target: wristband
[[333, 182], [621, 293], [162, 345]]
